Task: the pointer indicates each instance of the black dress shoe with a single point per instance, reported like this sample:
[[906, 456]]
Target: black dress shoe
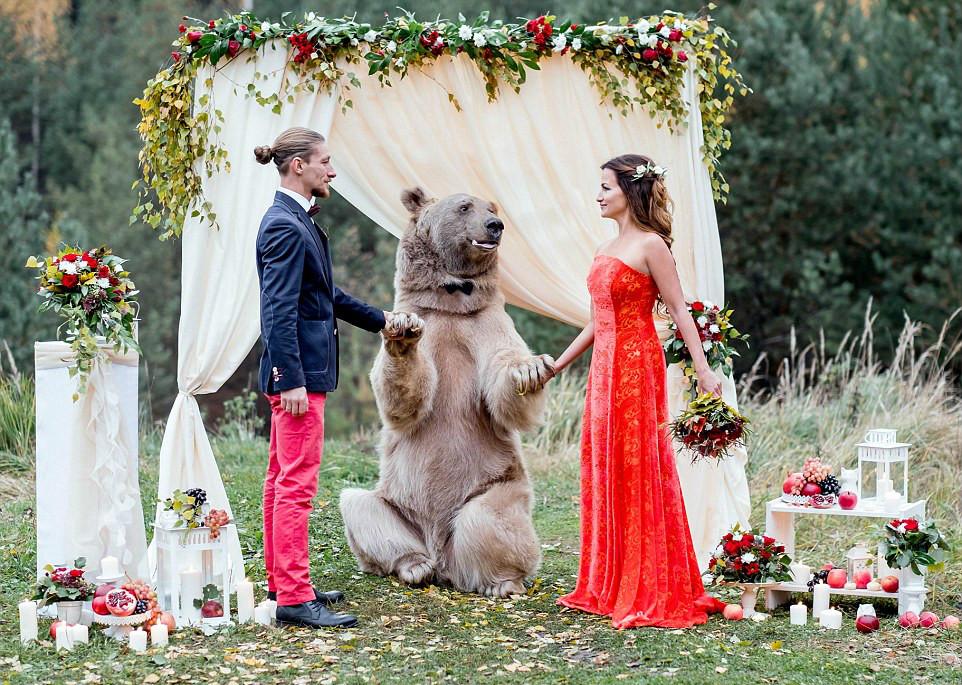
[[327, 598], [313, 614]]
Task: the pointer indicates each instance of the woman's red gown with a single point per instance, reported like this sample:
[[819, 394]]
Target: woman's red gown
[[637, 561]]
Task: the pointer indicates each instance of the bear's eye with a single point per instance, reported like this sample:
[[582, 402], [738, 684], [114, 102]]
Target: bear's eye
[[464, 208]]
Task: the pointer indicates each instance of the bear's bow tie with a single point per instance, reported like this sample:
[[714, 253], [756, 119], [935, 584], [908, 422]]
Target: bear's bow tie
[[466, 287], [312, 210]]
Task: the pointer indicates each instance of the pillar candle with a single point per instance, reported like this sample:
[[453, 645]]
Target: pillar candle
[[831, 619], [799, 614], [190, 589], [245, 601], [158, 635], [801, 573], [262, 614], [79, 634], [110, 567], [865, 610], [820, 599], [138, 641], [64, 637], [28, 620], [272, 605]]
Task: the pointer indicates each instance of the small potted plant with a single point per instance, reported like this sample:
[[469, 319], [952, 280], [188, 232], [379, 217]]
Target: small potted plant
[[751, 562], [914, 547], [67, 588]]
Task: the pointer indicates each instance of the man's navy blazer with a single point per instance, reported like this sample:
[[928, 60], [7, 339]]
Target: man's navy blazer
[[300, 303]]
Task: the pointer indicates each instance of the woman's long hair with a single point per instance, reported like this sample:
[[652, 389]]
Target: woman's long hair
[[647, 196]]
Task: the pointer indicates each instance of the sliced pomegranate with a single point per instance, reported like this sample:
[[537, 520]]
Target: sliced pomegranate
[[120, 602]]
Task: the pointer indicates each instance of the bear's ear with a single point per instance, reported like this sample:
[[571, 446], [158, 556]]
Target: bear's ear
[[415, 200]]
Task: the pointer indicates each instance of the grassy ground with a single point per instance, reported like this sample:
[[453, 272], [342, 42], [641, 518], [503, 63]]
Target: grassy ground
[[434, 635]]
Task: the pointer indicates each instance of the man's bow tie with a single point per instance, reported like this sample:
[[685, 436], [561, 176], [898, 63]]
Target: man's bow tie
[[466, 287], [312, 210]]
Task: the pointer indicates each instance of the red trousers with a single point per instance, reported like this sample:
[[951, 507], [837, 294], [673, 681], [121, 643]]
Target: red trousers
[[297, 443]]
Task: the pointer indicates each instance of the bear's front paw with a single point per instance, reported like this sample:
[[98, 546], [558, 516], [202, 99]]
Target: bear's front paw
[[402, 331], [532, 374]]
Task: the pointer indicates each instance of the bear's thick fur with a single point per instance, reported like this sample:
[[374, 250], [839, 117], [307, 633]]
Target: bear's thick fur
[[455, 384]]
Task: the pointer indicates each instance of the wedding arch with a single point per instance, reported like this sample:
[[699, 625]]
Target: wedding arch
[[522, 114]]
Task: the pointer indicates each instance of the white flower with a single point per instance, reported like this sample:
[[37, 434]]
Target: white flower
[[465, 32], [399, 62], [665, 31], [68, 267], [643, 27], [524, 46], [391, 46], [118, 268], [719, 551], [265, 27], [310, 16], [576, 44], [103, 282], [619, 49], [314, 55], [748, 558], [652, 40], [480, 40], [605, 38], [713, 328], [706, 345], [559, 42], [355, 41], [709, 426], [680, 25], [702, 320], [370, 36]]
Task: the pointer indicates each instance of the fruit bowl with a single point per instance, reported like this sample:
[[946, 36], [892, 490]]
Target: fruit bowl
[[118, 627], [797, 500]]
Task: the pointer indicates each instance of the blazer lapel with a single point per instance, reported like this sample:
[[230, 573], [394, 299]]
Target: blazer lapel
[[308, 226]]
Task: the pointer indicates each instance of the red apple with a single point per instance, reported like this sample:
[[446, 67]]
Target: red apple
[[733, 612], [810, 489], [847, 499], [837, 578], [104, 589], [791, 481], [827, 567], [909, 620], [862, 578], [950, 623], [928, 620], [890, 583], [100, 606], [211, 609], [866, 624], [54, 627]]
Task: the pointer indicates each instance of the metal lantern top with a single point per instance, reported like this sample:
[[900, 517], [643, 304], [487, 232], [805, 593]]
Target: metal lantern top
[[879, 445]]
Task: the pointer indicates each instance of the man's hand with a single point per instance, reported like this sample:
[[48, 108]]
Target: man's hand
[[294, 401]]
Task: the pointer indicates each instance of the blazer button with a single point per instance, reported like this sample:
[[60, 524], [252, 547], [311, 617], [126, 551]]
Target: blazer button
[[335, 331]]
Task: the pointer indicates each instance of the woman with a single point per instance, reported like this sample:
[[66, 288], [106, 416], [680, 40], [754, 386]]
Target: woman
[[637, 561]]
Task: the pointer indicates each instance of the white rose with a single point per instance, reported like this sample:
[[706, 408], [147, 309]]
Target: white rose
[[681, 26], [559, 42], [465, 32], [480, 40], [391, 46], [702, 320], [524, 46], [68, 267], [619, 48], [370, 36], [103, 282], [605, 38], [576, 44], [354, 41], [665, 31], [310, 16], [748, 558], [713, 328], [643, 26], [265, 27], [652, 40], [118, 268], [706, 345]]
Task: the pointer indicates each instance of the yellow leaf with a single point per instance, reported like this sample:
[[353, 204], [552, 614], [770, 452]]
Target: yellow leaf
[[777, 644], [650, 91], [32, 263]]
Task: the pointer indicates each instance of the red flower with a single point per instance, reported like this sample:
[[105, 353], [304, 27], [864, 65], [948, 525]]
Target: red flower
[[911, 525], [675, 35], [76, 573], [768, 540], [175, 55], [731, 548], [698, 306], [233, 47], [667, 51], [487, 54], [69, 280], [682, 57], [194, 36], [574, 26], [71, 257], [181, 28], [243, 27], [103, 271], [540, 39], [211, 24], [660, 26], [712, 562], [780, 549], [114, 280], [548, 29], [649, 55]]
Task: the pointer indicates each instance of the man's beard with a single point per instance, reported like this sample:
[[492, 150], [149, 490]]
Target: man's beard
[[323, 192]]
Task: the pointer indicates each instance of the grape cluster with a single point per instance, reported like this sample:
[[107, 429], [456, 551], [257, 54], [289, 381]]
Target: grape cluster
[[146, 597], [214, 520], [814, 471], [817, 577], [830, 486], [199, 495]]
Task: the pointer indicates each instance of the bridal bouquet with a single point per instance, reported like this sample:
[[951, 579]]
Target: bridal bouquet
[[718, 338], [92, 291], [743, 557], [709, 428], [909, 542]]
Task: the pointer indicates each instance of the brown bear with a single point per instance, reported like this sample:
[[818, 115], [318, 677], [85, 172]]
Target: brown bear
[[455, 385]]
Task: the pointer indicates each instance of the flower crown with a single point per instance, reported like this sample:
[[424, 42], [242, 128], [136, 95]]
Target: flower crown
[[649, 169]]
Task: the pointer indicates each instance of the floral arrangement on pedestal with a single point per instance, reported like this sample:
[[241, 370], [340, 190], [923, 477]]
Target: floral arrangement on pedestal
[[93, 292], [632, 62], [709, 428], [718, 337], [744, 557], [909, 543], [64, 584]]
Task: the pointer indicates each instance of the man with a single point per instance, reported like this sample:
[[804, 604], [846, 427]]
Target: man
[[299, 307]]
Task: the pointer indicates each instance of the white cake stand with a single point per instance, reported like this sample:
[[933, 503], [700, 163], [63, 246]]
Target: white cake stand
[[120, 627]]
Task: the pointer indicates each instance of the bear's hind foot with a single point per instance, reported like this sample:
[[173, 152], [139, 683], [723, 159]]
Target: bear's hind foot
[[504, 588], [415, 569]]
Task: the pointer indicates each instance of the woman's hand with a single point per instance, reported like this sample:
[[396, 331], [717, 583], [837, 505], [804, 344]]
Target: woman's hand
[[708, 381]]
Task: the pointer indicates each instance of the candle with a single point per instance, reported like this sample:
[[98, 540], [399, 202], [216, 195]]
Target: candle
[[820, 599], [799, 614], [865, 610], [138, 641], [86, 617], [272, 605], [831, 619], [110, 567], [64, 637], [245, 601], [262, 614], [28, 620], [190, 589], [79, 634], [158, 635], [893, 497], [801, 573]]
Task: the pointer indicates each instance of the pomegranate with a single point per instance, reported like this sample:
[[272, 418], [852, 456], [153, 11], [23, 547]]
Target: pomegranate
[[866, 624], [54, 627], [928, 620], [100, 606], [950, 623], [120, 602], [909, 620], [810, 489], [862, 578], [168, 619], [104, 589], [211, 609], [792, 484], [734, 612]]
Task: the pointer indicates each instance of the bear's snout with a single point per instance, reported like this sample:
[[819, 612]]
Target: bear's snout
[[495, 227]]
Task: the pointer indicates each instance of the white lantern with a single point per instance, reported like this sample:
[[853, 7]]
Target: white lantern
[[192, 568], [881, 454], [858, 559]]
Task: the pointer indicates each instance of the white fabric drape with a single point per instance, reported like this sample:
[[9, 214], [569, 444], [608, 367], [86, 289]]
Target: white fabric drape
[[88, 493], [535, 153]]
